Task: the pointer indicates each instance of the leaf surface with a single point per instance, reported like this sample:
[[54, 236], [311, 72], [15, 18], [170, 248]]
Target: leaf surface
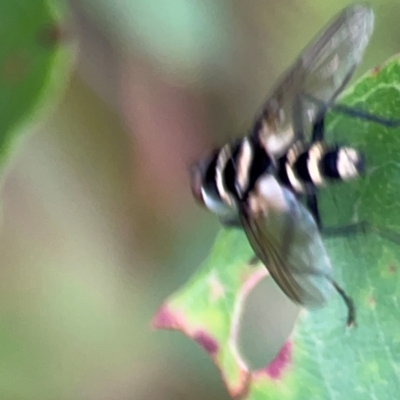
[[322, 359]]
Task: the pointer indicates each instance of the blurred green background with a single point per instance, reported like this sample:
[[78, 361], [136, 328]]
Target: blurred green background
[[98, 223]]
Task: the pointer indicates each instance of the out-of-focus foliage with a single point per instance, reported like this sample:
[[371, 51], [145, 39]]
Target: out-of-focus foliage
[[180, 35], [322, 359], [35, 61]]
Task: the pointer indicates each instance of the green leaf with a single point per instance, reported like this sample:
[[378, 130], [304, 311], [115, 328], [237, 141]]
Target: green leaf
[[35, 59], [322, 359]]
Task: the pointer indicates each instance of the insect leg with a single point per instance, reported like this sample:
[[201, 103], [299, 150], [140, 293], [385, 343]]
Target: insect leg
[[319, 129], [356, 113], [363, 227], [312, 205], [351, 310], [230, 222], [353, 112]]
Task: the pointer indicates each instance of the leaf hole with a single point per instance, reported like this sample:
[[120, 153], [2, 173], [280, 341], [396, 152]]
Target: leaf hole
[[267, 321]]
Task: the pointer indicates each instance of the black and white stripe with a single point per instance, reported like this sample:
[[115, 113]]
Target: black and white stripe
[[303, 168], [233, 171]]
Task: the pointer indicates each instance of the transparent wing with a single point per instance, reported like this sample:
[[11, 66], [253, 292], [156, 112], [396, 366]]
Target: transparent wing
[[321, 72], [289, 245]]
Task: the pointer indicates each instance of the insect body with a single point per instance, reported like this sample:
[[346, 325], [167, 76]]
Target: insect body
[[304, 168], [241, 183], [256, 182]]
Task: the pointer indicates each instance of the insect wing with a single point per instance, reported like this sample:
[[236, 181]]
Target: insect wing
[[321, 72], [289, 244]]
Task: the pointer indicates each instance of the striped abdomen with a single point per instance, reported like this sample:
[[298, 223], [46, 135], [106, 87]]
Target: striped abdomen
[[230, 175], [303, 168]]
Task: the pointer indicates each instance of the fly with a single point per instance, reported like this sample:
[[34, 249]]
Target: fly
[[257, 182]]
